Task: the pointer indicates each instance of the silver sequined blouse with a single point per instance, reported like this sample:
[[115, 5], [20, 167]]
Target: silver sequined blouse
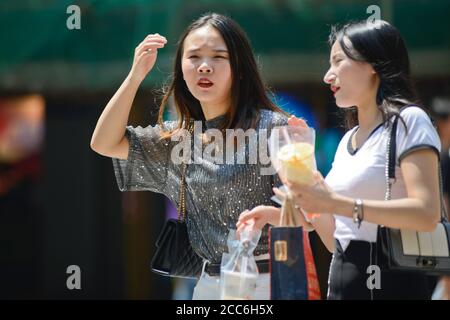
[[216, 194]]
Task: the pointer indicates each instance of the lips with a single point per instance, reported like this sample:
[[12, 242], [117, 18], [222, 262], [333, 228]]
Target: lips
[[334, 89], [205, 83]]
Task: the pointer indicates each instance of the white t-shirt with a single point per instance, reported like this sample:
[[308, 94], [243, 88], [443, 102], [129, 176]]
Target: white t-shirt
[[362, 174]]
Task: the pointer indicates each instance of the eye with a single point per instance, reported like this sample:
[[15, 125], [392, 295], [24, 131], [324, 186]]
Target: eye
[[220, 57], [193, 56]]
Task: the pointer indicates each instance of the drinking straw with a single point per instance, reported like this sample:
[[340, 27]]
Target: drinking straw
[[286, 135]]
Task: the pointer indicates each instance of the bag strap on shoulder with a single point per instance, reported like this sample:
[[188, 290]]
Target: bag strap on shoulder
[[390, 168], [182, 201]]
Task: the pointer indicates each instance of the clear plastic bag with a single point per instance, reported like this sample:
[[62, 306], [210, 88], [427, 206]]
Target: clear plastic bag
[[238, 270]]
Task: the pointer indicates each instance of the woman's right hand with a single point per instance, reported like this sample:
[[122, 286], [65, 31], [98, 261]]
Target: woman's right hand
[[145, 56], [258, 217], [302, 219]]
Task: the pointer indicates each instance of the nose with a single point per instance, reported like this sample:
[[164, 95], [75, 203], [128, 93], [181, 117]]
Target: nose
[[329, 77], [205, 68]]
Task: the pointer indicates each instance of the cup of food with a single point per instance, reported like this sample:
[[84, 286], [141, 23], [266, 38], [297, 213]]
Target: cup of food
[[292, 153]]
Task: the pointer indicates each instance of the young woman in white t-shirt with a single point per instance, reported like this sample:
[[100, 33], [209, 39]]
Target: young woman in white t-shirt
[[369, 75]]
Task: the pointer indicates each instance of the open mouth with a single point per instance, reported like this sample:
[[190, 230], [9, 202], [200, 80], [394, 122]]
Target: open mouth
[[205, 83], [335, 89]]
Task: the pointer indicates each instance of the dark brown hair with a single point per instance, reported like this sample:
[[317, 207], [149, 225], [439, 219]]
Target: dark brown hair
[[248, 93]]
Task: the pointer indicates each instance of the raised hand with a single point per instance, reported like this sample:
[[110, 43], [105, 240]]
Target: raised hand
[[145, 56]]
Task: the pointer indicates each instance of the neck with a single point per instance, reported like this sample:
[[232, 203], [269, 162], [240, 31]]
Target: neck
[[369, 116], [213, 110]]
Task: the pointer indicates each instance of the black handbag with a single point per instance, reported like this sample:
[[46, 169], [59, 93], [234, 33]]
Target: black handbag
[[407, 250], [174, 256]]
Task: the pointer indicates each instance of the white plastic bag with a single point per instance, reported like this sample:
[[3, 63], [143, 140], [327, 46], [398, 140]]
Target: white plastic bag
[[238, 270]]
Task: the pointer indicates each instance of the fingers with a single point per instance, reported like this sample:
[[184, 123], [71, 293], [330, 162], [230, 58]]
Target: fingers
[[250, 225], [247, 215], [318, 175], [318, 180], [149, 47], [152, 41], [295, 188], [240, 226], [155, 41], [239, 231], [240, 220], [294, 121], [154, 38], [280, 194]]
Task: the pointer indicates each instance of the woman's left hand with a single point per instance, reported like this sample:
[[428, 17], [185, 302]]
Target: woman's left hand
[[318, 198], [297, 122]]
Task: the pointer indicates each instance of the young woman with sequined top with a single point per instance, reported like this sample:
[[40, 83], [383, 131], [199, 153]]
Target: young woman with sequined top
[[215, 81]]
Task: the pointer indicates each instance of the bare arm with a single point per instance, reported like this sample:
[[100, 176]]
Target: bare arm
[[325, 226], [420, 211], [262, 215], [109, 138]]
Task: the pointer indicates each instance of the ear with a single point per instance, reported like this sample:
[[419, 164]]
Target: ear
[[372, 70]]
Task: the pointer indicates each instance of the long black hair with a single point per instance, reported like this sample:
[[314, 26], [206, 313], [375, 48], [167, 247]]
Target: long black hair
[[381, 45], [248, 93]]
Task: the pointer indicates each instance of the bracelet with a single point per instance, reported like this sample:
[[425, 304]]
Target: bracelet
[[358, 212]]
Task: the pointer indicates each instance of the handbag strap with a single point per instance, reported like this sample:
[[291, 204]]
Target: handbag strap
[[390, 167], [182, 200]]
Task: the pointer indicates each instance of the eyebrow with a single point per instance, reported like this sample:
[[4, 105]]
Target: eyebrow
[[215, 50]]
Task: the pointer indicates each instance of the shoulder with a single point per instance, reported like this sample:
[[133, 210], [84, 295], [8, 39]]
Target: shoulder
[[415, 120], [413, 114], [419, 132], [152, 131]]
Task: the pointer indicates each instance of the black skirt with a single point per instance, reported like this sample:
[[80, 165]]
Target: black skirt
[[349, 276]]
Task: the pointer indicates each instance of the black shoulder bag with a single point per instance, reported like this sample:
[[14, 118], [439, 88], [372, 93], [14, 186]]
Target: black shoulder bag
[[174, 256], [407, 250]]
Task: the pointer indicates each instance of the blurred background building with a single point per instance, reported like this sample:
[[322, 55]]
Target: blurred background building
[[59, 201]]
